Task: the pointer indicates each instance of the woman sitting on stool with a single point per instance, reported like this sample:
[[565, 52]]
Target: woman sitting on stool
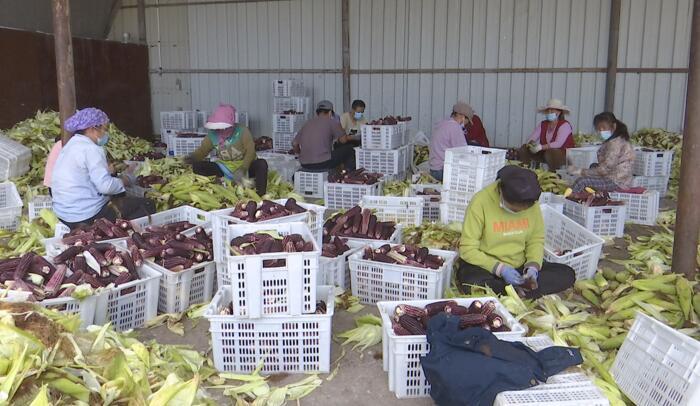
[[503, 239]]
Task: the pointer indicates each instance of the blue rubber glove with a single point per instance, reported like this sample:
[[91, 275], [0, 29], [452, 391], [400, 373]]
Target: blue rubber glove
[[511, 276], [531, 273]]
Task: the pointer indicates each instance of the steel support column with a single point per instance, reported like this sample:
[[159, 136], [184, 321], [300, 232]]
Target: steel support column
[[613, 42], [65, 74], [141, 17], [345, 42], [685, 243]]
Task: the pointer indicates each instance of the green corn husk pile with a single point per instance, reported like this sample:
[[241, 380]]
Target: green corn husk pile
[[421, 153], [29, 235], [666, 140], [434, 235], [582, 139], [550, 181], [39, 134], [397, 188], [208, 193], [46, 360]]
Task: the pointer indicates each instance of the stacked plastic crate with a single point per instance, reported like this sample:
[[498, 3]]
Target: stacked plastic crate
[[291, 108], [385, 150], [652, 169], [272, 315], [467, 171]]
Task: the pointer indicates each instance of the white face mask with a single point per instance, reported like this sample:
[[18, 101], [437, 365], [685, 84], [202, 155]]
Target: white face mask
[[504, 207], [551, 116], [605, 134]]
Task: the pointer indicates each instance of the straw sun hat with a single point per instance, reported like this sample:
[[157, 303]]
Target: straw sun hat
[[555, 104]]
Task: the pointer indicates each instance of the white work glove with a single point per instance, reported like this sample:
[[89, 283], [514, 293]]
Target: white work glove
[[535, 148], [573, 170]]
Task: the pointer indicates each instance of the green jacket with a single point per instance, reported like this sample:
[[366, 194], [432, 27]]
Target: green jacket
[[243, 149], [491, 236]]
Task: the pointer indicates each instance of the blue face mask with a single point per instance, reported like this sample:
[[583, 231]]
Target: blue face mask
[[103, 140], [551, 116], [358, 115], [605, 134]]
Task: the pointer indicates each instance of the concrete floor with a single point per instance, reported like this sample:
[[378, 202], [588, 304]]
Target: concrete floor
[[360, 379]]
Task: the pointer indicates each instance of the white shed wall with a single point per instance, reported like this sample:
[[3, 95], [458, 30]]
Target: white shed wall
[[486, 41]]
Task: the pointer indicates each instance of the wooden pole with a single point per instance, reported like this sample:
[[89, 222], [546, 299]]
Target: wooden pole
[[141, 17], [613, 42], [345, 25], [685, 242], [65, 74]]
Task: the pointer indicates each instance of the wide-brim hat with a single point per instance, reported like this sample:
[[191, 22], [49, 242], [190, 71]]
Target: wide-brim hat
[[555, 104]]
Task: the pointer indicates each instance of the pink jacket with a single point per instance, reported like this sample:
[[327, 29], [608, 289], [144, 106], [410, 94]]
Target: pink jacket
[[51, 161]]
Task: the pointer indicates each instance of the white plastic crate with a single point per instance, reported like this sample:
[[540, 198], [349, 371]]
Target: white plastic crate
[[200, 118], [287, 88], [606, 221], [220, 219], [652, 162], [657, 365], [10, 206], [382, 136], [310, 184], [657, 183], [38, 203], [288, 289], [562, 394], [345, 195], [281, 344], [407, 211], [582, 157], [186, 146], [553, 200], [402, 354], [298, 104], [179, 290], [456, 197], [282, 142], [194, 215], [85, 308], [15, 158], [374, 281], [287, 123], [640, 208], [469, 169], [431, 203], [178, 120], [564, 234], [388, 162], [450, 212], [336, 271], [131, 304]]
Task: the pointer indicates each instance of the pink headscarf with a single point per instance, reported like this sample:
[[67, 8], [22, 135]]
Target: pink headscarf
[[222, 121]]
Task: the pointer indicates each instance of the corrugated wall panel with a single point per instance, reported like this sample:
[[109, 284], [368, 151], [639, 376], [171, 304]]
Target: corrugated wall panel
[[653, 34], [425, 34], [478, 34]]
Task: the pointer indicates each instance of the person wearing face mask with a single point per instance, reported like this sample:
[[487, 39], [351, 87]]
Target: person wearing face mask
[[550, 139], [502, 239], [82, 187], [315, 142], [615, 158], [448, 133], [353, 120], [234, 147]]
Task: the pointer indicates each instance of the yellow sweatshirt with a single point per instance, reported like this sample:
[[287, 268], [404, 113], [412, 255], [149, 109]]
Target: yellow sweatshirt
[[491, 236]]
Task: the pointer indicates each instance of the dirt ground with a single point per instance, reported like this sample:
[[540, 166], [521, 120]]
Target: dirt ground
[[360, 379]]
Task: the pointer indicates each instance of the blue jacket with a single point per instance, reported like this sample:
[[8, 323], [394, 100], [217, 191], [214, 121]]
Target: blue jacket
[[472, 366]]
